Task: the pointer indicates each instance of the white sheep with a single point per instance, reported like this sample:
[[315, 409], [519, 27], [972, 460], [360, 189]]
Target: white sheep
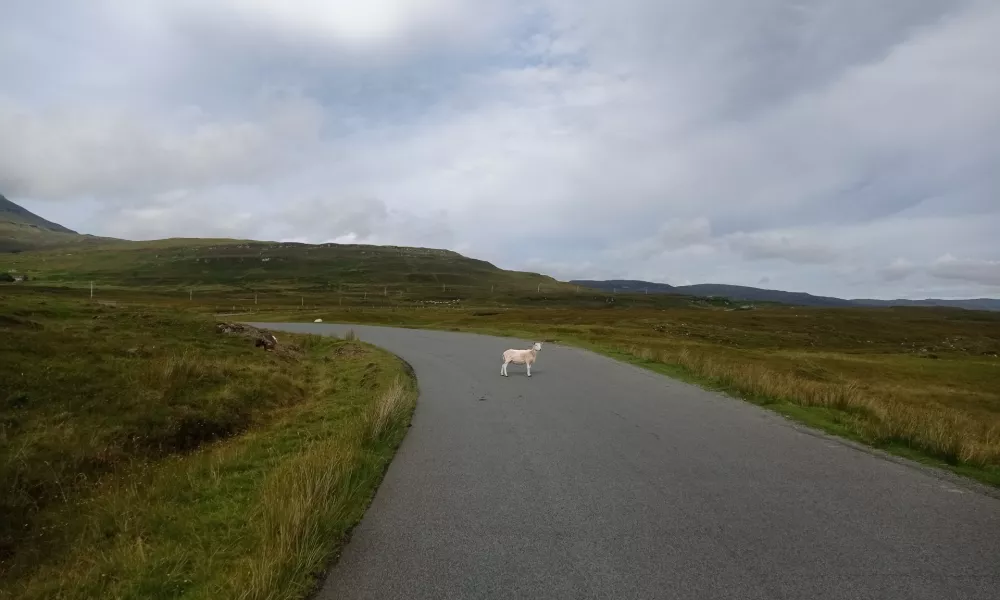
[[520, 357]]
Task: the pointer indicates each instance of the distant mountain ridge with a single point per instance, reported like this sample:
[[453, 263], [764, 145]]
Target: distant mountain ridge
[[752, 294]]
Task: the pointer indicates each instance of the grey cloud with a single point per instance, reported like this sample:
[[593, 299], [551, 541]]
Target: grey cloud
[[677, 233], [780, 246], [898, 270], [182, 213], [983, 272], [672, 236]]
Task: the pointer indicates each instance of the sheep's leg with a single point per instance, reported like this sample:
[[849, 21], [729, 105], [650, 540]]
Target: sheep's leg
[[528, 364], [503, 369]]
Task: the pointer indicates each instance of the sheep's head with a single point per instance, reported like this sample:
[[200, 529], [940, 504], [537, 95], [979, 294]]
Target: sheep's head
[[537, 346]]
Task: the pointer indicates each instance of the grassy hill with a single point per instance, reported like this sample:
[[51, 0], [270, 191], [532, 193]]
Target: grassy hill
[[21, 229], [244, 263], [236, 270]]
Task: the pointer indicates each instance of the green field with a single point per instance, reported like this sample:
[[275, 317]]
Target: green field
[[144, 454], [921, 382]]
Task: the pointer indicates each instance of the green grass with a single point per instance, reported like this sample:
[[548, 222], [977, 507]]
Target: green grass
[[145, 455], [921, 383]]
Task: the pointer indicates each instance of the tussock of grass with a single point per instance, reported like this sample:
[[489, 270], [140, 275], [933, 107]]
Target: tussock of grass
[[388, 410], [160, 459]]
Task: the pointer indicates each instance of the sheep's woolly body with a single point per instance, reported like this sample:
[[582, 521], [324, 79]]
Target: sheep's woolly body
[[520, 357]]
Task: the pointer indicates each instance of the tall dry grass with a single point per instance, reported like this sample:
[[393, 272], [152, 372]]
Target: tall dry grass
[[949, 436], [308, 500], [298, 502], [390, 409]]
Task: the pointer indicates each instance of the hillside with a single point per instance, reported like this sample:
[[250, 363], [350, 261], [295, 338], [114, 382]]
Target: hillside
[[21, 229], [277, 267], [752, 294]]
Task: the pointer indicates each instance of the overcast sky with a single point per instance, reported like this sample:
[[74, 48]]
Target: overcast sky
[[839, 147]]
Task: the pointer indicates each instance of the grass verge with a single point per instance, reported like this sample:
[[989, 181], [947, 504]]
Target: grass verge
[[919, 383], [145, 455]]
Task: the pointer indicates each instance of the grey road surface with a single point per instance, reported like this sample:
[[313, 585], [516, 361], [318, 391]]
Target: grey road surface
[[596, 479]]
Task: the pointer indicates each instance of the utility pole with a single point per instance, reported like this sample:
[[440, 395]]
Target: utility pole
[[190, 295], [539, 290], [302, 301], [91, 290], [385, 290]]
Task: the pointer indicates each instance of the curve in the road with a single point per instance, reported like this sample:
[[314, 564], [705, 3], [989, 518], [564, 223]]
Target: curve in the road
[[597, 479]]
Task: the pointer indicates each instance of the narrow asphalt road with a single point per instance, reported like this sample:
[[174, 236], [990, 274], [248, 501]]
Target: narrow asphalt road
[[596, 479]]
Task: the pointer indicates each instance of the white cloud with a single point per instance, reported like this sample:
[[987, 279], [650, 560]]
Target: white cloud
[[84, 151], [347, 219], [182, 213], [375, 25]]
